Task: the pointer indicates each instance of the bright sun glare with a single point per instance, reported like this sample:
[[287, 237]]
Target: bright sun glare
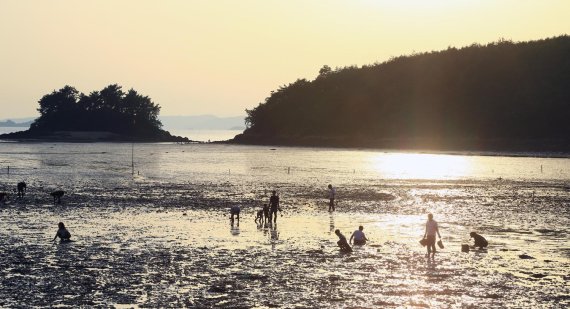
[[420, 166]]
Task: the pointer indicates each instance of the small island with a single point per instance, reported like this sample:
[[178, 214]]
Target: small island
[[503, 96], [109, 115]]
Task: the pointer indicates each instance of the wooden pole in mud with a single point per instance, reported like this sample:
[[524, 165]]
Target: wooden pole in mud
[[541, 168], [133, 158], [8, 169], [288, 170]]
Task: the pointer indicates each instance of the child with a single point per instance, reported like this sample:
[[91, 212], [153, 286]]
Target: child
[[259, 216], [62, 233], [266, 212]]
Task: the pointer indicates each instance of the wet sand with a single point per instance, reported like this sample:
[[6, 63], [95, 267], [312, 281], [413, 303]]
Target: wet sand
[[170, 244]]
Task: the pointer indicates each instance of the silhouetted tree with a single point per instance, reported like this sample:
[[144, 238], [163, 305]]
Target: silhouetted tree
[[110, 110]]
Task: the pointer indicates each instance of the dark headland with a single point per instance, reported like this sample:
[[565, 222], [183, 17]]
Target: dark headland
[[109, 115], [502, 96]]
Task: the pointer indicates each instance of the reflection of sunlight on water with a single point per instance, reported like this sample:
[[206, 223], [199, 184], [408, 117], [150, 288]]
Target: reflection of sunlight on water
[[420, 166]]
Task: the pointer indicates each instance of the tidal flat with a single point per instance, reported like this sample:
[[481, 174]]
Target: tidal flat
[[162, 237]]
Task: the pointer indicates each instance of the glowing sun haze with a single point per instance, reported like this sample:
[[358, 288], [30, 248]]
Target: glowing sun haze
[[220, 57]]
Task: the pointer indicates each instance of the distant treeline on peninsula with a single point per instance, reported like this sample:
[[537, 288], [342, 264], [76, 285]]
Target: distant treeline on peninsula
[[499, 96], [109, 114]]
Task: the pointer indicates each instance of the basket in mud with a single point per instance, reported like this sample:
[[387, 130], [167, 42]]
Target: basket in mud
[[464, 248]]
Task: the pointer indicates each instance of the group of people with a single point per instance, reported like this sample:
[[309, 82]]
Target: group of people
[[428, 240], [265, 215], [22, 188], [358, 236], [269, 213]]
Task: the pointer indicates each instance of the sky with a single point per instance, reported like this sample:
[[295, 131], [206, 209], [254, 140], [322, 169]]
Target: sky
[[222, 57]]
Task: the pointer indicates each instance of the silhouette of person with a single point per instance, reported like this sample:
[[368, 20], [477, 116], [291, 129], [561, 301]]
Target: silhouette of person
[[431, 230], [234, 211], [359, 237], [259, 216], [62, 233], [266, 213], [480, 241], [57, 196], [342, 243], [273, 206], [332, 193], [21, 188]]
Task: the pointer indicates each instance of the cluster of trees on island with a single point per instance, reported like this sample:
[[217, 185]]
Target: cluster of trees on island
[[110, 110], [475, 97], [106, 115]]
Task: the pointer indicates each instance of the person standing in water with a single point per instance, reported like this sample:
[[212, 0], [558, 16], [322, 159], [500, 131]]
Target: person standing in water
[[62, 233], [234, 211], [273, 206], [332, 193], [265, 213], [359, 237], [431, 230]]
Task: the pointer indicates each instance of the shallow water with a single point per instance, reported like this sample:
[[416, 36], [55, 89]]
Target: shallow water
[[163, 238]]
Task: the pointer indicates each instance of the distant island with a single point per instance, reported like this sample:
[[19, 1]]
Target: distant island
[[11, 123], [106, 115], [502, 96]]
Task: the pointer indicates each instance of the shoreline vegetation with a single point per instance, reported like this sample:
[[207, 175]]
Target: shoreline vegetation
[[502, 96], [66, 115]]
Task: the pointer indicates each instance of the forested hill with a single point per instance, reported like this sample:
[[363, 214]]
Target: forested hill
[[499, 96]]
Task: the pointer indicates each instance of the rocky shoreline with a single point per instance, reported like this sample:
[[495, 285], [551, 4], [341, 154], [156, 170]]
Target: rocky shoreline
[[416, 144], [90, 136]]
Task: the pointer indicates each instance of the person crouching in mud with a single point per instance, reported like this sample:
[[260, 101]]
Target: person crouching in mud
[[359, 237], [21, 189], [234, 211], [342, 243], [480, 241], [62, 233]]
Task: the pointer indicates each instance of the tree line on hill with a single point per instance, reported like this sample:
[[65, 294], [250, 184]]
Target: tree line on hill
[[456, 98]]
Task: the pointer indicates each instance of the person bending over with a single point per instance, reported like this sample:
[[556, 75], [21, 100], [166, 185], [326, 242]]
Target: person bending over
[[234, 211], [480, 241], [21, 188]]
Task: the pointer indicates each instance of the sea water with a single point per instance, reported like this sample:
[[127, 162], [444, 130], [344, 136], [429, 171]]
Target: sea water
[[151, 227]]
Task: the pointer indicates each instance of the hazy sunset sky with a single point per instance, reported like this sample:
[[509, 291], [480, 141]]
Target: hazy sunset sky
[[221, 57]]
